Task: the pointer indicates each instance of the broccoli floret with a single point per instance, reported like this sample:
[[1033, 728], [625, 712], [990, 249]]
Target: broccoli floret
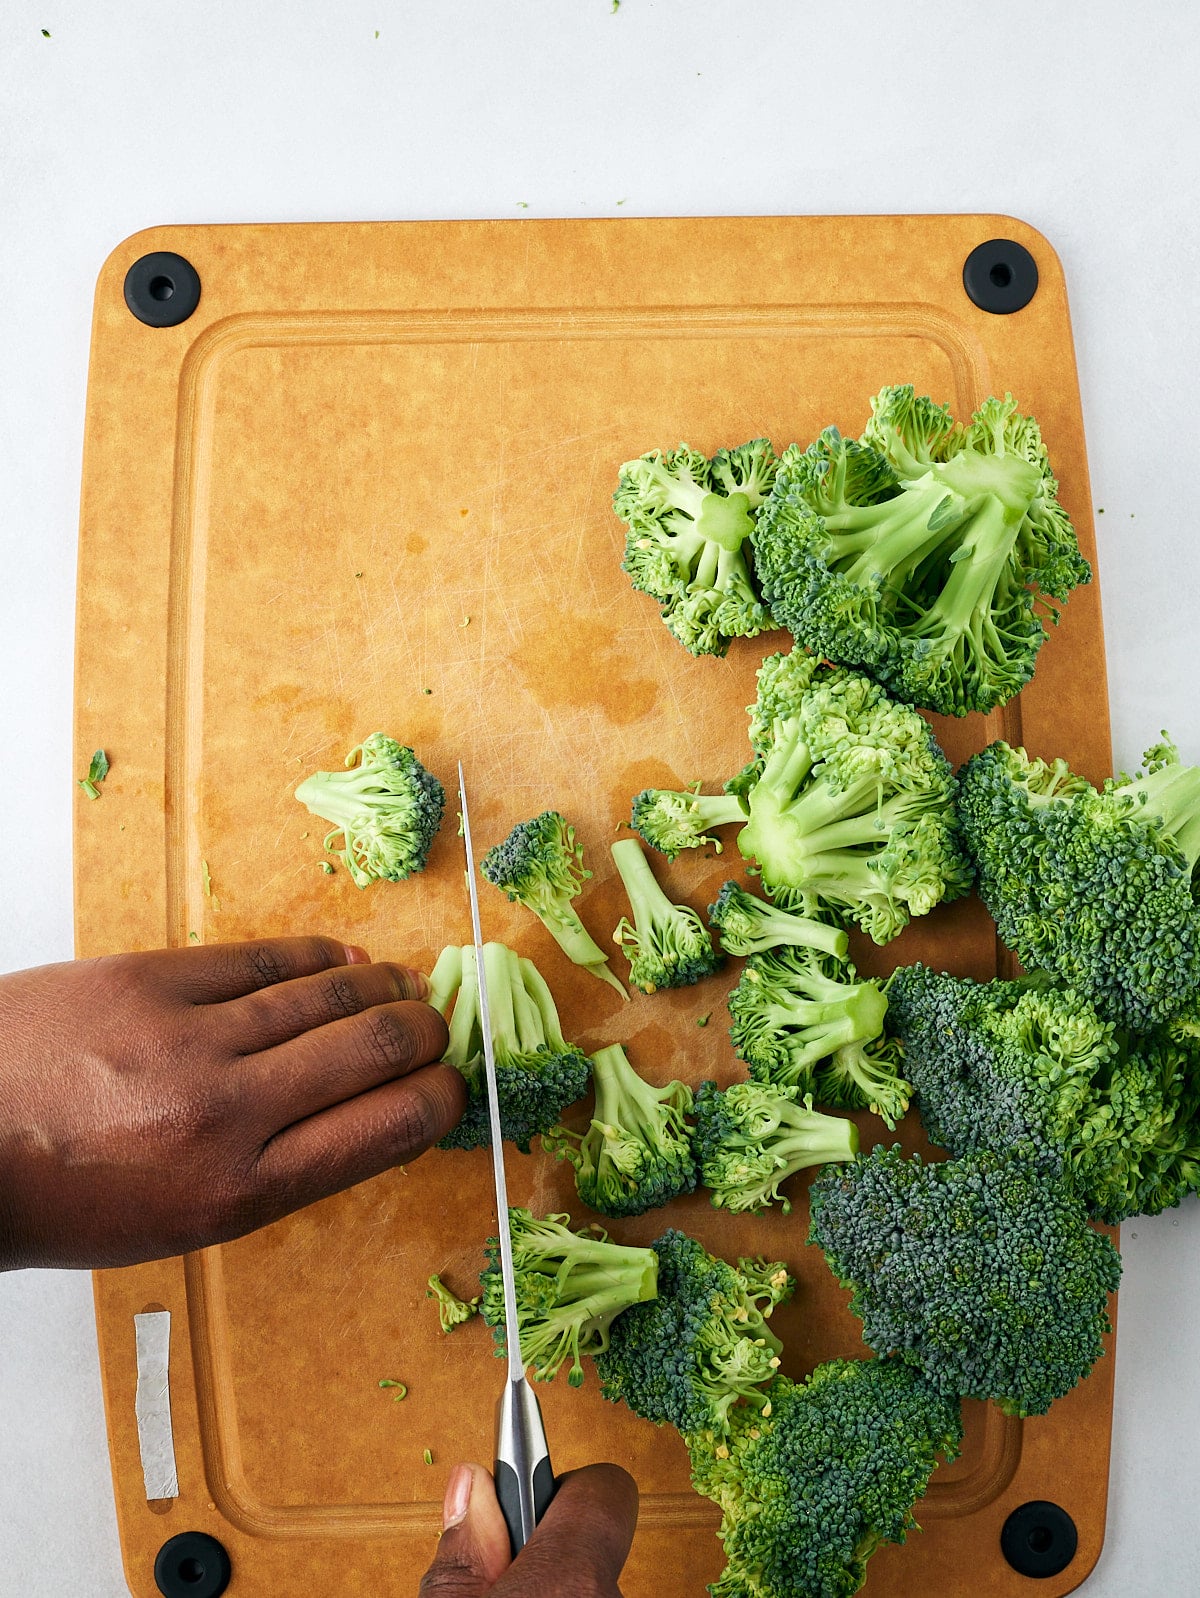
[[851, 799], [570, 1287], [750, 1138], [829, 1471], [748, 925], [667, 944], [806, 1021], [452, 1311], [983, 1271], [994, 1063], [688, 521], [537, 1073], [637, 1153], [540, 865], [689, 1356], [671, 822], [1098, 886], [385, 807], [926, 553]]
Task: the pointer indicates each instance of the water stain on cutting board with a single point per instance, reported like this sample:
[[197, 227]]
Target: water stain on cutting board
[[584, 670]]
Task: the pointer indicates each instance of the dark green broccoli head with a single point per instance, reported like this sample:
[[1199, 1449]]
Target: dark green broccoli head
[[667, 944], [830, 1470], [688, 519], [919, 553], [671, 822], [982, 1272], [570, 1287], [385, 807], [852, 801], [995, 1063], [702, 1347], [751, 1137], [1098, 886]]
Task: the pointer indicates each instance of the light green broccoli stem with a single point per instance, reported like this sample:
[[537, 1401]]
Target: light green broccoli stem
[[516, 1019], [446, 978], [883, 1092], [774, 1138], [749, 925], [650, 905], [837, 1016], [577, 943], [534, 986], [629, 1108], [452, 1311], [466, 1038], [1171, 793]]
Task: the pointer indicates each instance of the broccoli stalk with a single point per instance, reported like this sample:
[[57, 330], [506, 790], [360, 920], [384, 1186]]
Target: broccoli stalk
[[385, 807], [570, 1287], [748, 925], [537, 1073], [751, 1137], [636, 1155], [452, 1310], [540, 865], [667, 944], [671, 822]]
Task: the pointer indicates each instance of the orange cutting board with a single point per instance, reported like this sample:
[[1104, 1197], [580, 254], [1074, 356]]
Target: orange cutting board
[[366, 486]]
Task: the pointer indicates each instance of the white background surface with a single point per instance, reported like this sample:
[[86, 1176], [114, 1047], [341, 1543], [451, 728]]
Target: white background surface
[[1081, 119]]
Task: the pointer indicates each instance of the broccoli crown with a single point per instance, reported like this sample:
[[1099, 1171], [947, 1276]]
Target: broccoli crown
[[1098, 886], [749, 925], [995, 1063], [851, 800], [570, 1288], [385, 808], [828, 1471], [803, 1020], [636, 1155], [688, 520], [702, 1347], [540, 865], [667, 944], [537, 1073], [983, 1271], [452, 1311], [751, 1137], [671, 822], [919, 552]]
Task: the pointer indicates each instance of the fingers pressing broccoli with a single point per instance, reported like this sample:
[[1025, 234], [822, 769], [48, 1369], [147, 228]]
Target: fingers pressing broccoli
[[750, 1138], [667, 944], [385, 808], [540, 865]]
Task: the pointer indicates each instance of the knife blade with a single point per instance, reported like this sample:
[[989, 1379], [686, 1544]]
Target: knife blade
[[523, 1473]]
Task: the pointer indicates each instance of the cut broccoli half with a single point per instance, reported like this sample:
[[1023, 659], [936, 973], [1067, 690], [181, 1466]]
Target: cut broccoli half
[[671, 822], [540, 865], [751, 1137], [385, 808], [829, 1470], [1099, 886], [688, 520], [637, 1153], [570, 1287], [927, 553], [667, 944], [982, 1272], [538, 1074], [702, 1347], [748, 925]]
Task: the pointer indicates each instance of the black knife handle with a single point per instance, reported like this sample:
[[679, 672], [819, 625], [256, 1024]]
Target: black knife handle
[[509, 1493]]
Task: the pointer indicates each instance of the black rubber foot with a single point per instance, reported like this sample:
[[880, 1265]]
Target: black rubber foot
[[192, 1565], [1039, 1539], [1000, 276], [162, 289]]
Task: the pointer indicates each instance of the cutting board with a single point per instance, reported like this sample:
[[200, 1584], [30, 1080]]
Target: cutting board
[[365, 485]]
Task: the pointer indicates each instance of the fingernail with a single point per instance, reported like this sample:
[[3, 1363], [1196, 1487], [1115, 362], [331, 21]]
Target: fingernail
[[458, 1497], [355, 955], [417, 981]]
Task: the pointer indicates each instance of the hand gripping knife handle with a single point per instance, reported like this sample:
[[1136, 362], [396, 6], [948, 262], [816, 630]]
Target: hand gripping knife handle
[[524, 1476]]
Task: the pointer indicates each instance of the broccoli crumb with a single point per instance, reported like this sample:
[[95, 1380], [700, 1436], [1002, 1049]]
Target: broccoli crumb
[[97, 771], [327, 867], [427, 1456], [194, 937], [401, 1392], [426, 690], [46, 35], [703, 1020], [206, 878], [523, 205], [465, 622]]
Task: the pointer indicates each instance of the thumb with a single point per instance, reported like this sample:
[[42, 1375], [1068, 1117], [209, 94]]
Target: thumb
[[581, 1543], [474, 1549]]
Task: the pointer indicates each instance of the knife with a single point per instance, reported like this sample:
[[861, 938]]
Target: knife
[[524, 1476]]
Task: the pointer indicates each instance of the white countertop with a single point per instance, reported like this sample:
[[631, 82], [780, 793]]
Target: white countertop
[[1080, 120]]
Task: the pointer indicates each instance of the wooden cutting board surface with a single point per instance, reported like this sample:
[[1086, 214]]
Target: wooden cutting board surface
[[367, 486]]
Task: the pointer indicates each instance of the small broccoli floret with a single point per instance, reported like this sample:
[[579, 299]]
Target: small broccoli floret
[[637, 1153], [748, 925], [750, 1138], [688, 521], [537, 1073], [1098, 886], [452, 1311], [385, 807], [851, 800], [671, 822], [570, 1287], [983, 1272], [925, 553], [803, 1020], [540, 865], [996, 1063], [702, 1347], [830, 1470], [667, 944]]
